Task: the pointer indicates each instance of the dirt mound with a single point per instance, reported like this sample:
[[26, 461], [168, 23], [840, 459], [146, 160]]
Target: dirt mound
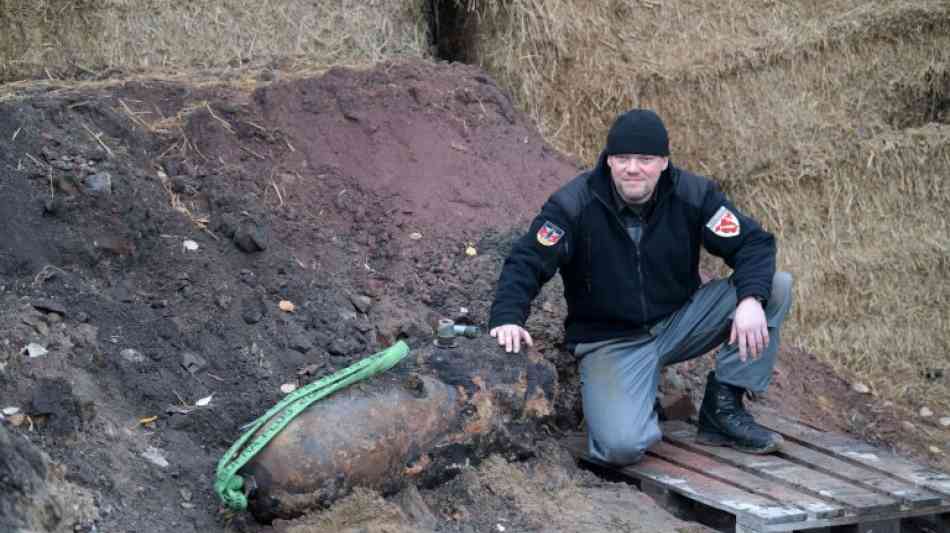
[[156, 226]]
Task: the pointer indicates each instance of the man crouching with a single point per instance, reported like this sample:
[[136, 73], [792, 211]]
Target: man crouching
[[626, 238]]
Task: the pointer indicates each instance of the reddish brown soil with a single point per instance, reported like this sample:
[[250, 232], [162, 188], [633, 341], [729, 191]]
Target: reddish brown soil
[[364, 188]]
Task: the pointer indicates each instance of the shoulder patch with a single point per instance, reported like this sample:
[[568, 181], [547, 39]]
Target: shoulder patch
[[724, 223], [549, 234]]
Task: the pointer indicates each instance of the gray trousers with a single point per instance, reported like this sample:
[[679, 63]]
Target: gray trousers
[[619, 377]]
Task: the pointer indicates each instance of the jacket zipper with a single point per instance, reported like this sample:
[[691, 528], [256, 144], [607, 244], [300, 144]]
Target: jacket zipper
[[636, 249], [590, 265], [643, 298]]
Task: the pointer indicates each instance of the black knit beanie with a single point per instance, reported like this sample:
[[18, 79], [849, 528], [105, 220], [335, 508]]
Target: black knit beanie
[[638, 131]]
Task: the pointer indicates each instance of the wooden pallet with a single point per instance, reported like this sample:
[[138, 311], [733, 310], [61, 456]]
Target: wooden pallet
[[817, 482]]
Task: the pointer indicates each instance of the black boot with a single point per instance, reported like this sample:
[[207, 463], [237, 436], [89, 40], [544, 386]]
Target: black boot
[[723, 421]]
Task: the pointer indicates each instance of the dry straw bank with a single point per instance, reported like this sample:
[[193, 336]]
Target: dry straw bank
[[85, 38], [828, 120]]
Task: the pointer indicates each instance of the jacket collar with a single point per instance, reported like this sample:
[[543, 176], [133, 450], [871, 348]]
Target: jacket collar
[[601, 184]]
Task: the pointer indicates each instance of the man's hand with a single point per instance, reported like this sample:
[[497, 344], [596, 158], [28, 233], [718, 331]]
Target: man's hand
[[510, 336], [750, 329]]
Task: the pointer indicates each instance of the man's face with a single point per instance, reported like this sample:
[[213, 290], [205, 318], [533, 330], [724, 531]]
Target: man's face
[[635, 175]]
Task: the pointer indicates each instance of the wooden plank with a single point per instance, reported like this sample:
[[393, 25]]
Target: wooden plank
[[781, 470], [742, 528], [815, 507], [909, 495], [880, 526], [857, 452], [748, 508], [849, 523]]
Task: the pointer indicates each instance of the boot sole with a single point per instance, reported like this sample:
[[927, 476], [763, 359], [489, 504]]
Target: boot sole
[[713, 439]]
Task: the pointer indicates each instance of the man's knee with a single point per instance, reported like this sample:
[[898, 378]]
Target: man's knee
[[625, 449], [781, 289]]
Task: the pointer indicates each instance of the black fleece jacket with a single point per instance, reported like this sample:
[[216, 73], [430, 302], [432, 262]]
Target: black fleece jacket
[[615, 287]]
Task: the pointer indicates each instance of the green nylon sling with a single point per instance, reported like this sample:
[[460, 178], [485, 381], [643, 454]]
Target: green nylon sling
[[228, 484]]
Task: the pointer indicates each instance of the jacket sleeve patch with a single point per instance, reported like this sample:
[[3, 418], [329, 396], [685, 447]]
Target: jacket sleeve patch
[[549, 234], [724, 223]]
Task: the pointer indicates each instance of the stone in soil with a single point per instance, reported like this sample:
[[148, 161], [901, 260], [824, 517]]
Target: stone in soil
[[193, 362], [133, 356], [251, 238], [361, 302], [49, 306], [35, 350], [98, 183]]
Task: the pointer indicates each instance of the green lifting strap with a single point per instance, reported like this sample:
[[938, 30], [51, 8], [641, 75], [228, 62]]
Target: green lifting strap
[[228, 484]]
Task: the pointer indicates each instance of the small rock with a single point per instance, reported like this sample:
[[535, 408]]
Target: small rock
[[132, 356], [38, 324], [861, 388], [62, 164], [171, 167], [189, 246], [287, 306], [907, 426], [98, 183], [155, 456], [925, 412], [10, 411], [252, 316], [49, 306], [361, 302], [935, 450], [471, 251], [415, 235], [945, 422], [193, 362], [35, 350], [54, 318], [86, 335], [287, 388], [204, 402], [223, 301], [339, 347], [185, 494], [179, 185], [187, 505], [53, 206], [254, 311], [251, 238], [114, 245], [224, 224], [300, 343]]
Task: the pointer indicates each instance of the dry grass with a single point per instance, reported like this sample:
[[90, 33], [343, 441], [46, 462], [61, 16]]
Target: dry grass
[[827, 120], [70, 38]]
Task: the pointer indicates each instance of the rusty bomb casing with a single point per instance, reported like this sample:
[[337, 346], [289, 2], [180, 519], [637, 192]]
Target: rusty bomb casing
[[368, 436]]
